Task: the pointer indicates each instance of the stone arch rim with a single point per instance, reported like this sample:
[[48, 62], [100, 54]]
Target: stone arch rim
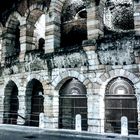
[[118, 73], [8, 82], [36, 6], [60, 80], [14, 14], [30, 81], [114, 80]]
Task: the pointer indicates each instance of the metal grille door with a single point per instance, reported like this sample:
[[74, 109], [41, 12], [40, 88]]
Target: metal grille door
[[120, 100], [69, 108], [72, 101], [118, 107]]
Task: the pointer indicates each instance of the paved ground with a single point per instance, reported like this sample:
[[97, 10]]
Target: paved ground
[[8, 132]]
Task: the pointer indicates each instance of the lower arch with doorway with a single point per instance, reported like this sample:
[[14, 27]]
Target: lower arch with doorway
[[72, 101], [120, 100]]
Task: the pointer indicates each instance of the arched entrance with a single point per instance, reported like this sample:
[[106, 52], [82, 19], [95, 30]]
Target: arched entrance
[[34, 102], [72, 101], [120, 101], [11, 104]]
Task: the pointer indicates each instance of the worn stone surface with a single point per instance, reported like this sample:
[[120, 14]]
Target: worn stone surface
[[98, 52]]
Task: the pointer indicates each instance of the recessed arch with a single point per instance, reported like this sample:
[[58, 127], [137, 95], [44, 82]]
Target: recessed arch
[[11, 103], [120, 99], [35, 19], [73, 23], [72, 102], [104, 80], [15, 15], [11, 38], [39, 7], [34, 102]]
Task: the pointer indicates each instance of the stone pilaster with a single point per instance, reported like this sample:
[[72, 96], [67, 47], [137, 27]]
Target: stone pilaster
[[2, 109], [48, 110], [53, 23], [51, 108], [93, 22], [55, 109], [138, 109], [22, 106], [26, 40], [137, 17], [94, 121]]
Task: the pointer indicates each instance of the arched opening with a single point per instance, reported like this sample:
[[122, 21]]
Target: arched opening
[[11, 104], [36, 20], [34, 102], [73, 23], [12, 41], [118, 15], [72, 101], [120, 101]]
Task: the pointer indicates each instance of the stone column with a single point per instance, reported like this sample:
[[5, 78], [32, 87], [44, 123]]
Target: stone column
[[53, 23], [93, 22], [22, 106], [26, 39], [137, 17]]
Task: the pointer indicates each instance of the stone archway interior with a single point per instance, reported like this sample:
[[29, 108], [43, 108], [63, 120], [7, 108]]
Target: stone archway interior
[[120, 101], [34, 102], [74, 23], [72, 101], [11, 104]]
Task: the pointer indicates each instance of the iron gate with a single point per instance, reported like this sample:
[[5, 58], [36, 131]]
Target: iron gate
[[69, 108], [72, 101], [116, 107], [120, 101]]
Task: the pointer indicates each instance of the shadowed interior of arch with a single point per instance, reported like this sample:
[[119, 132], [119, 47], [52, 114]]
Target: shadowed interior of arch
[[34, 102], [72, 101], [11, 103]]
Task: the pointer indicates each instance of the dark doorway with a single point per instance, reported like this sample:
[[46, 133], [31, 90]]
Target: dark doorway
[[11, 104], [35, 99], [72, 101], [41, 44], [120, 101]]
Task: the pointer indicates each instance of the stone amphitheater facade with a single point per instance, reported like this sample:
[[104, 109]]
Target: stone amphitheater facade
[[103, 53]]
